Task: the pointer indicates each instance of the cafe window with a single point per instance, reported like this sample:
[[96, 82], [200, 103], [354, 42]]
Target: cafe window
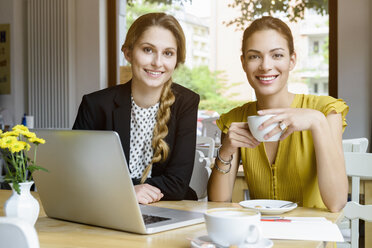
[[210, 37]]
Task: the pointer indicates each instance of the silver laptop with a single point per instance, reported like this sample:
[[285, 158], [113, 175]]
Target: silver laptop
[[89, 182]]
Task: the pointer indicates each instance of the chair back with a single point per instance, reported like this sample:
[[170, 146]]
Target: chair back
[[210, 129], [200, 175], [355, 145], [211, 146], [358, 165], [354, 210], [16, 233]]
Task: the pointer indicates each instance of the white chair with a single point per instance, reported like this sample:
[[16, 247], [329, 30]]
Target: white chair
[[200, 175], [209, 150], [351, 145], [210, 129], [358, 166], [354, 210], [17, 233], [355, 145]]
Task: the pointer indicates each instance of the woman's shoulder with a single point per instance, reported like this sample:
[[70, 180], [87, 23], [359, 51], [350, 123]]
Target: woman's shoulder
[[237, 114], [325, 104], [320, 102], [317, 98], [241, 112], [110, 97], [181, 91], [109, 92]]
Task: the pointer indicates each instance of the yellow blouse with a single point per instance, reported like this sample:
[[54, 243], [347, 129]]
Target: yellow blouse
[[293, 175]]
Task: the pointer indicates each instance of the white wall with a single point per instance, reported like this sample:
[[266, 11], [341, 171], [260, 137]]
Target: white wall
[[91, 49], [228, 50], [355, 65], [87, 34], [15, 103]]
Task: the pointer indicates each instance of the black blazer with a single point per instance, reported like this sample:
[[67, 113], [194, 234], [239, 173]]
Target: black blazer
[[110, 109]]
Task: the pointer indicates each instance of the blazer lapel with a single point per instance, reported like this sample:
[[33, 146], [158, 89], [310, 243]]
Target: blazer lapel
[[122, 116]]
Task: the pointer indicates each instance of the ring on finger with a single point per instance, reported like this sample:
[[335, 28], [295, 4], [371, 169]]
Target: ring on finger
[[282, 125]]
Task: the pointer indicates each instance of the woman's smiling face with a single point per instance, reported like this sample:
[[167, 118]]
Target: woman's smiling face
[[153, 57], [266, 61]]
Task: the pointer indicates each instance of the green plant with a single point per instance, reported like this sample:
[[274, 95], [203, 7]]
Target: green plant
[[293, 10], [168, 2], [14, 146], [209, 85], [135, 10]]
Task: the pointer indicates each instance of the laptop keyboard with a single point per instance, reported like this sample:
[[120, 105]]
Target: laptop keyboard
[[150, 219]]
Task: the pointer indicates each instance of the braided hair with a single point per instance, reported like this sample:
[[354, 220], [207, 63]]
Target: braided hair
[[167, 98]]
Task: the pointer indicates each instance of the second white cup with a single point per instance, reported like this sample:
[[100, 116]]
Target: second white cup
[[233, 226], [254, 121]]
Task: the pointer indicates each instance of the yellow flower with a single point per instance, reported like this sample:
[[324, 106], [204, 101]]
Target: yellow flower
[[7, 141], [1, 131], [17, 146], [36, 140], [20, 128], [27, 146], [27, 134], [14, 145], [10, 133]]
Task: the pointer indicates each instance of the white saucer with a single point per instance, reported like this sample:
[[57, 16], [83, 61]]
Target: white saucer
[[268, 206], [205, 242]]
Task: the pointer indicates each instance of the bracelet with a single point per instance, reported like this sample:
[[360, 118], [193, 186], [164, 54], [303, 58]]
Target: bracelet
[[221, 170], [224, 162]]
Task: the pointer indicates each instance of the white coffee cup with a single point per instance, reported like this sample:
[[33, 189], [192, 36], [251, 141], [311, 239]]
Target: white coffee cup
[[254, 121], [233, 226]]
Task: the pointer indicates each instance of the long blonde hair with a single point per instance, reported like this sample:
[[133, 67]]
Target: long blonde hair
[[167, 98], [144, 22]]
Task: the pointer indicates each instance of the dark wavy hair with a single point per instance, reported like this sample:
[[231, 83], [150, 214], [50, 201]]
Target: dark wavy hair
[[266, 23]]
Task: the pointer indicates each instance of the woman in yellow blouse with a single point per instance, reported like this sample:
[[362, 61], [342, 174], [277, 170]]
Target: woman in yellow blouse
[[306, 165]]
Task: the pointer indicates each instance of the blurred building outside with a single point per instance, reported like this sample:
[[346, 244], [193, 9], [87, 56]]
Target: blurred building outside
[[210, 42]]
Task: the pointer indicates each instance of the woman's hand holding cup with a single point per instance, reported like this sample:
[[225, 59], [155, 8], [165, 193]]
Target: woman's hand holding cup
[[263, 129], [238, 136]]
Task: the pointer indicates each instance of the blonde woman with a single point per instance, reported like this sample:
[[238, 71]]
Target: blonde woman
[[307, 164], [155, 118]]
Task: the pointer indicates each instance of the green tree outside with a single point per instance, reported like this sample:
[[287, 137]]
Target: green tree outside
[[135, 10], [293, 10], [209, 85]]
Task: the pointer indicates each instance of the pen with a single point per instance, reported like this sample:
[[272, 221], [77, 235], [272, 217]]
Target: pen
[[271, 217], [278, 220]]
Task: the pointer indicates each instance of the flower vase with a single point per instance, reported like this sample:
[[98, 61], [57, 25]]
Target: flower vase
[[22, 205]]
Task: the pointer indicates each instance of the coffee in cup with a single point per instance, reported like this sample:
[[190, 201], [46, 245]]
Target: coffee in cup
[[233, 226], [254, 121]]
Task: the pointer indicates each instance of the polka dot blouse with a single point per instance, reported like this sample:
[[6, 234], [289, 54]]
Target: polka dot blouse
[[142, 125]]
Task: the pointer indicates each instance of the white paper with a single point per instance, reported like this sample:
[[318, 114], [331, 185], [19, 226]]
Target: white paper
[[302, 229]]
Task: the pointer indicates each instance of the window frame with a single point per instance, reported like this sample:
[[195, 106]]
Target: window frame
[[333, 47], [112, 36]]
